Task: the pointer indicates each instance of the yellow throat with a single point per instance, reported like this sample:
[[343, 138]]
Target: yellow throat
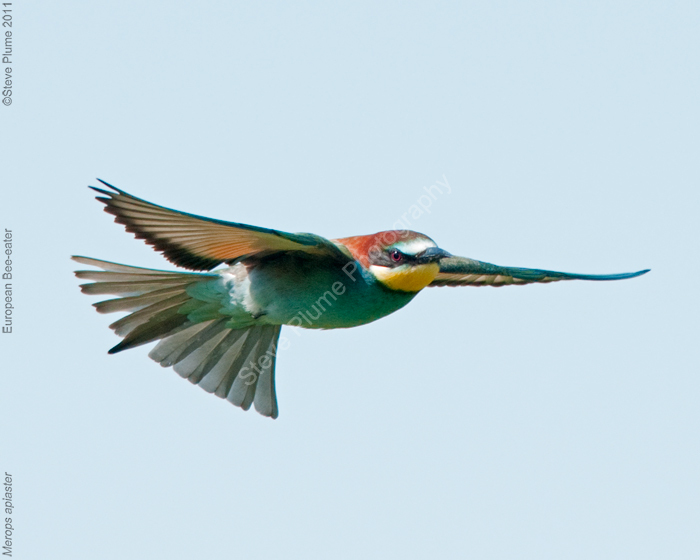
[[406, 278]]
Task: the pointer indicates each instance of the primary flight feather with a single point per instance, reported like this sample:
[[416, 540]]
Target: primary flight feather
[[220, 328]]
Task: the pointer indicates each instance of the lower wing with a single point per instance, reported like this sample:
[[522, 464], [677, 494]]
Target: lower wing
[[460, 271]]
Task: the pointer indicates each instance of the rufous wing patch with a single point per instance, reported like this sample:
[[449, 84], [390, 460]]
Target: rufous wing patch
[[200, 243]]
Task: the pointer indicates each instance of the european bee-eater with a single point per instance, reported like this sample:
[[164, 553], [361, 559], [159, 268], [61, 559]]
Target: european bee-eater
[[220, 328]]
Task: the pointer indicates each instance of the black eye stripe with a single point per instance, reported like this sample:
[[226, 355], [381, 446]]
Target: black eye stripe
[[387, 257]]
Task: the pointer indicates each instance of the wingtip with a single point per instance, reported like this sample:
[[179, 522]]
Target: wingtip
[[106, 184], [621, 276], [103, 191]]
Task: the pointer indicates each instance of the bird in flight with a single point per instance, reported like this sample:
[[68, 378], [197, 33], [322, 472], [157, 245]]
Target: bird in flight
[[219, 328]]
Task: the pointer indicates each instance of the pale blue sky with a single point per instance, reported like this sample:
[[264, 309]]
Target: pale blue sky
[[543, 422]]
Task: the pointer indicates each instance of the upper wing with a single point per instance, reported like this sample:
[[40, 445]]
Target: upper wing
[[459, 271], [200, 243]]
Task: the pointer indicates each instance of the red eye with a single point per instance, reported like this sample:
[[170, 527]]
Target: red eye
[[396, 256]]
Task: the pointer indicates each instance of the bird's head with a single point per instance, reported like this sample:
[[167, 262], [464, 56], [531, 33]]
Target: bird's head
[[405, 261]]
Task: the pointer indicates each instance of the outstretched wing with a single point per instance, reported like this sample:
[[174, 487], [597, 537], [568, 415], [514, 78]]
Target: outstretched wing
[[199, 243], [460, 271]]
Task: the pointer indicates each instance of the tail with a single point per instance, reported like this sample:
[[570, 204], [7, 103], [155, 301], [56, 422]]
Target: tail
[[234, 364]]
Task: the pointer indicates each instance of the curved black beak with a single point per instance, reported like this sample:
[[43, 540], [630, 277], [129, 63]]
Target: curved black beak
[[431, 255]]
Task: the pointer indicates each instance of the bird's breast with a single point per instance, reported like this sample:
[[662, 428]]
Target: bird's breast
[[313, 293]]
